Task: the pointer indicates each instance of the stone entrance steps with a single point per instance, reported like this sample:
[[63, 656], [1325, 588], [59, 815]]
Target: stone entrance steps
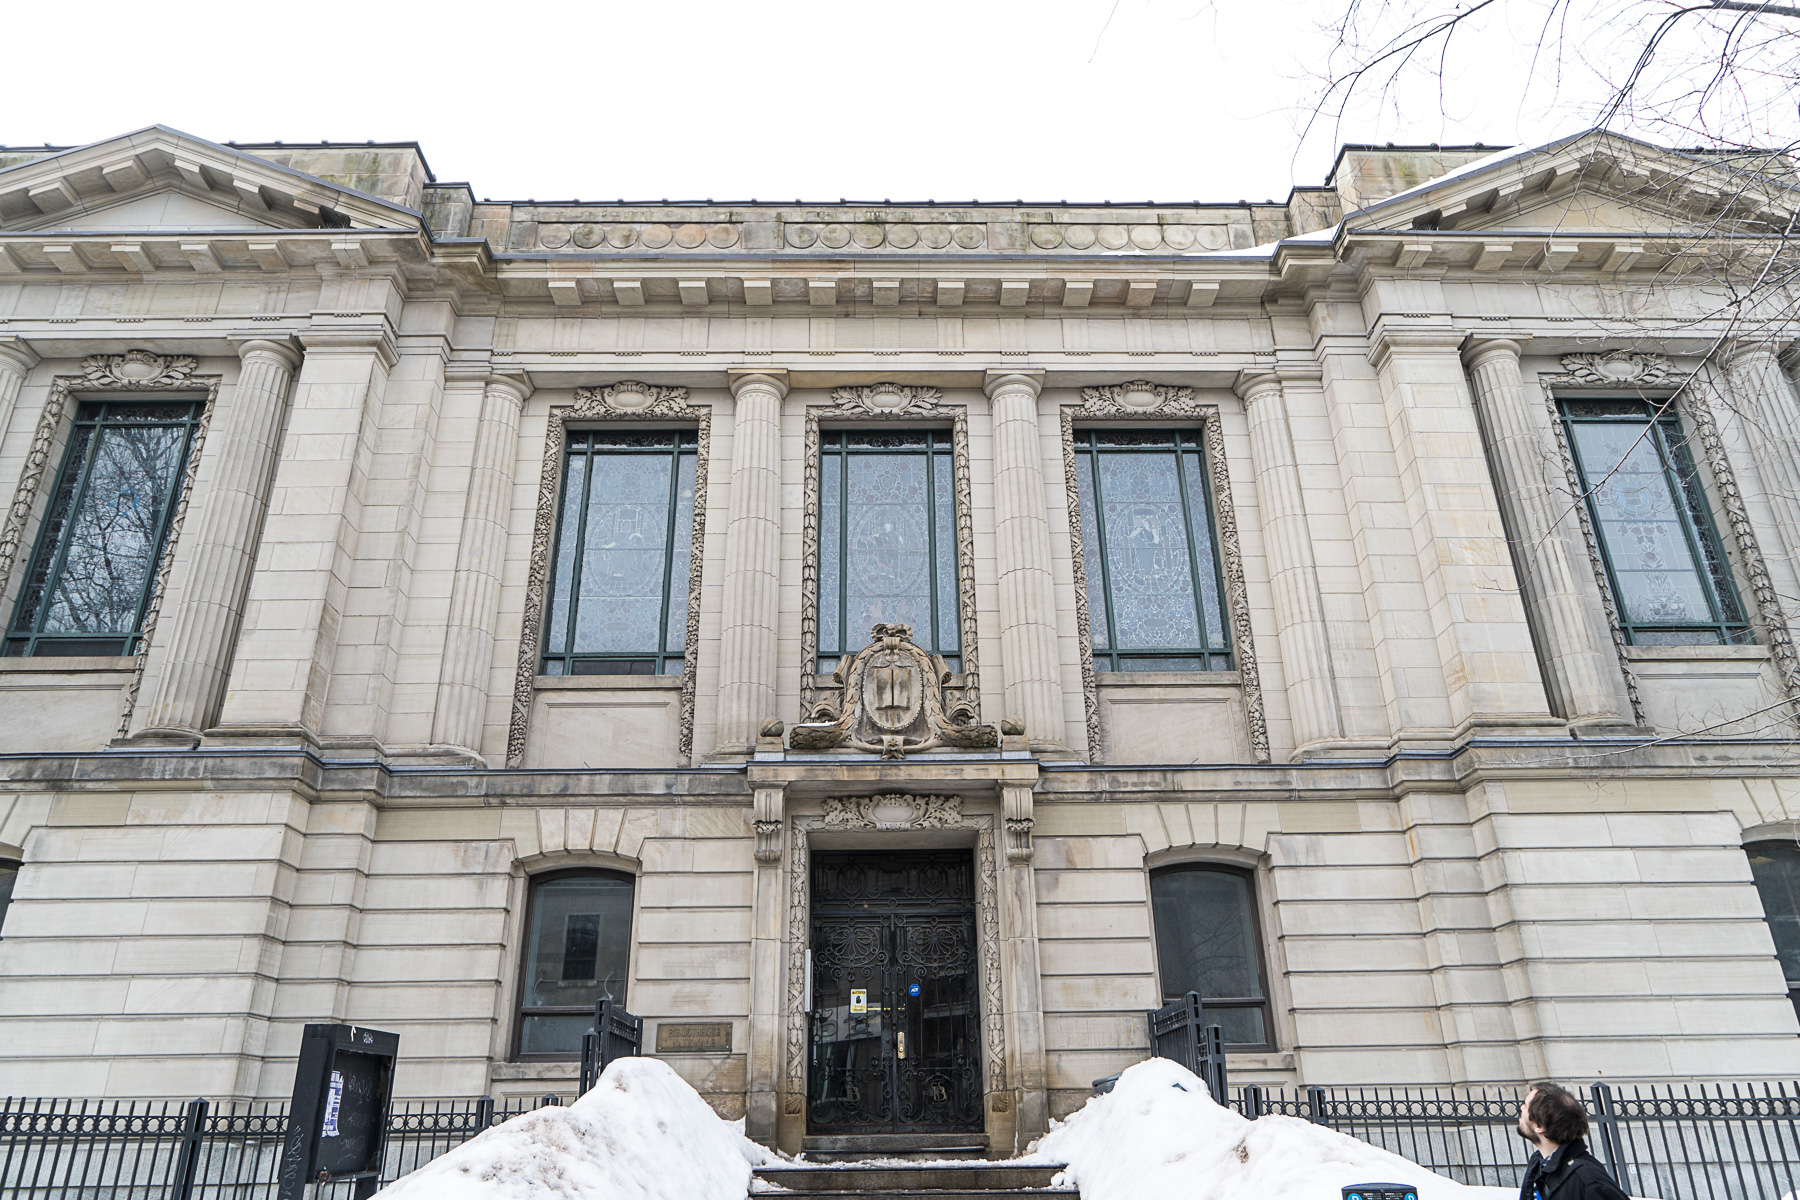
[[888, 1179]]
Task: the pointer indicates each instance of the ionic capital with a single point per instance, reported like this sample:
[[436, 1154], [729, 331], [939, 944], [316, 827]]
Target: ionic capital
[[1003, 381], [261, 346], [1257, 383], [511, 382], [1479, 348], [742, 379], [15, 355]]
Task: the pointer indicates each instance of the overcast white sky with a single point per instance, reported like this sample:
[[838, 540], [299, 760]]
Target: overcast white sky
[[909, 99]]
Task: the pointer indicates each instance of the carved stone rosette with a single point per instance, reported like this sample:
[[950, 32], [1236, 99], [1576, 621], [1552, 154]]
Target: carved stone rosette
[[1141, 400], [132, 371], [942, 812], [626, 401], [889, 401], [893, 704]]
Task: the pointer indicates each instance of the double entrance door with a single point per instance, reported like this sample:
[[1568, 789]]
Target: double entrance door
[[895, 1020]]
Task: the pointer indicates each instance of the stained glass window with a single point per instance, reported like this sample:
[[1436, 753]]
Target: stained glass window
[[104, 530], [577, 953], [1669, 577], [887, 541], [1149, 551], [624, 543], [1207, 942]]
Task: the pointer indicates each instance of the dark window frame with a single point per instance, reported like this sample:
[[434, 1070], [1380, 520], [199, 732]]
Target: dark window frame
[[1788, 845], [1111, 660], [186, 413], [1662, 423], [939, 454], [682, 440], [1263, 1003], [521, 1010], [8, 866]]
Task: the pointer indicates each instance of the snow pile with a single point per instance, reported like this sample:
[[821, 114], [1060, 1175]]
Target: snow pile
[[641, 1134], [1158, 1135]]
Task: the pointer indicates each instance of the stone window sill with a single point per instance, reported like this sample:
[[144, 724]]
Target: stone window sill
[[1112, 679], [1680, 654], [65, 666], [608, 683]]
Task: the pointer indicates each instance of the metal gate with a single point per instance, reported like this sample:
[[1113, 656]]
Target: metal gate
[[896, 1042]]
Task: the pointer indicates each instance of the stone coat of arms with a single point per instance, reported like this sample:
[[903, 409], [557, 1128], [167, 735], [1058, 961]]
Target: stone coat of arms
[[893, 704]]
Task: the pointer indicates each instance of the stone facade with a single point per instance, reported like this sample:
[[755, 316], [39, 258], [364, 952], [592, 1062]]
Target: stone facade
[[1491, 837]]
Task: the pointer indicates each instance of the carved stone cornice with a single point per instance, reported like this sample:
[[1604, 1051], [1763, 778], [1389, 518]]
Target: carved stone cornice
[[1142, 400], [624, 401], [886, 400], [137, 370]]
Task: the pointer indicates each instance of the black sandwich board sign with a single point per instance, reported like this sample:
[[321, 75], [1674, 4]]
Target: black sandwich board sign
[[337, 1124]]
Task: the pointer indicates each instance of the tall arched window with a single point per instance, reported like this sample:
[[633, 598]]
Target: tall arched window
[[1207, 941], [577, 952], [1776, 868]]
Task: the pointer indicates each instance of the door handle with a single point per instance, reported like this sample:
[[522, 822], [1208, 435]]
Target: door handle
[[901, 1035]]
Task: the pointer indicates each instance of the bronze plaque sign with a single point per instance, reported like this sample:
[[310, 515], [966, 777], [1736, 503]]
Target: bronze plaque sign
[[699, 1037]]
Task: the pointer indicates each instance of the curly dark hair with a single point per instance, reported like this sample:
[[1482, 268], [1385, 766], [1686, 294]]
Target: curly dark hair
[[1559, 1113]]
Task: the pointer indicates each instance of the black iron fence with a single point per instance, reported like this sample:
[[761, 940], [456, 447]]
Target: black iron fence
[[1728, 1141], [1178, 1031], [616, 1034], [1733, 1141]]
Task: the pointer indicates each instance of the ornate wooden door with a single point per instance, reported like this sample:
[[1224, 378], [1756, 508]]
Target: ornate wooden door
[[895, 1017]]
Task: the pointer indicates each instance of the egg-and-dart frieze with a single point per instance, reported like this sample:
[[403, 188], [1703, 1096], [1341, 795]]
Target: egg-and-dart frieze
[[871, 235]]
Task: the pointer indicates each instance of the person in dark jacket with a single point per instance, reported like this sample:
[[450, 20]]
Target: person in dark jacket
[[1562, 1169]]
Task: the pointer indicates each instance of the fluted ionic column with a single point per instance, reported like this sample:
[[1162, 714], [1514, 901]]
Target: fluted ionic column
[[1765, 401], [16, 361], [223, 537], [475, 591], [752, 600], [1293, 575], [1581, 671], [1028, 653]]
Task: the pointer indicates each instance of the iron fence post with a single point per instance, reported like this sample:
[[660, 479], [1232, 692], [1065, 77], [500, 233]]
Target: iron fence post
[[1612, 1146], [1253, 1100], [484, 1113], [187, 1161], [1315, 1105]]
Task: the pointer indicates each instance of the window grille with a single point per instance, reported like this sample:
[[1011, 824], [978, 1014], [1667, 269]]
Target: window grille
[[624, 544], [1669, 577], [104, 530], [1149, 543]]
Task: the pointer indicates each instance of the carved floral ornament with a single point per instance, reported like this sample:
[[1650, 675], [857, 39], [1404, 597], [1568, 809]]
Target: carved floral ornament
[[1619, 368], [137, 369], [630, 398], [886, 399], [893, 812], [1138, 397]]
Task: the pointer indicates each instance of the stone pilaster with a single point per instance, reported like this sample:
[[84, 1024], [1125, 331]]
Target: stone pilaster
[[276, 692], [16, 361], [752, 599], [1473, 606], [1030, 664], [1764, 399], [223, 541], [1293, 575], [1581, 671], [767, 970], [462, 692]]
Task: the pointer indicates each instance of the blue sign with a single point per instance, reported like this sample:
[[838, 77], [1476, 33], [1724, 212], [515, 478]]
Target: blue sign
[[913, 990]]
